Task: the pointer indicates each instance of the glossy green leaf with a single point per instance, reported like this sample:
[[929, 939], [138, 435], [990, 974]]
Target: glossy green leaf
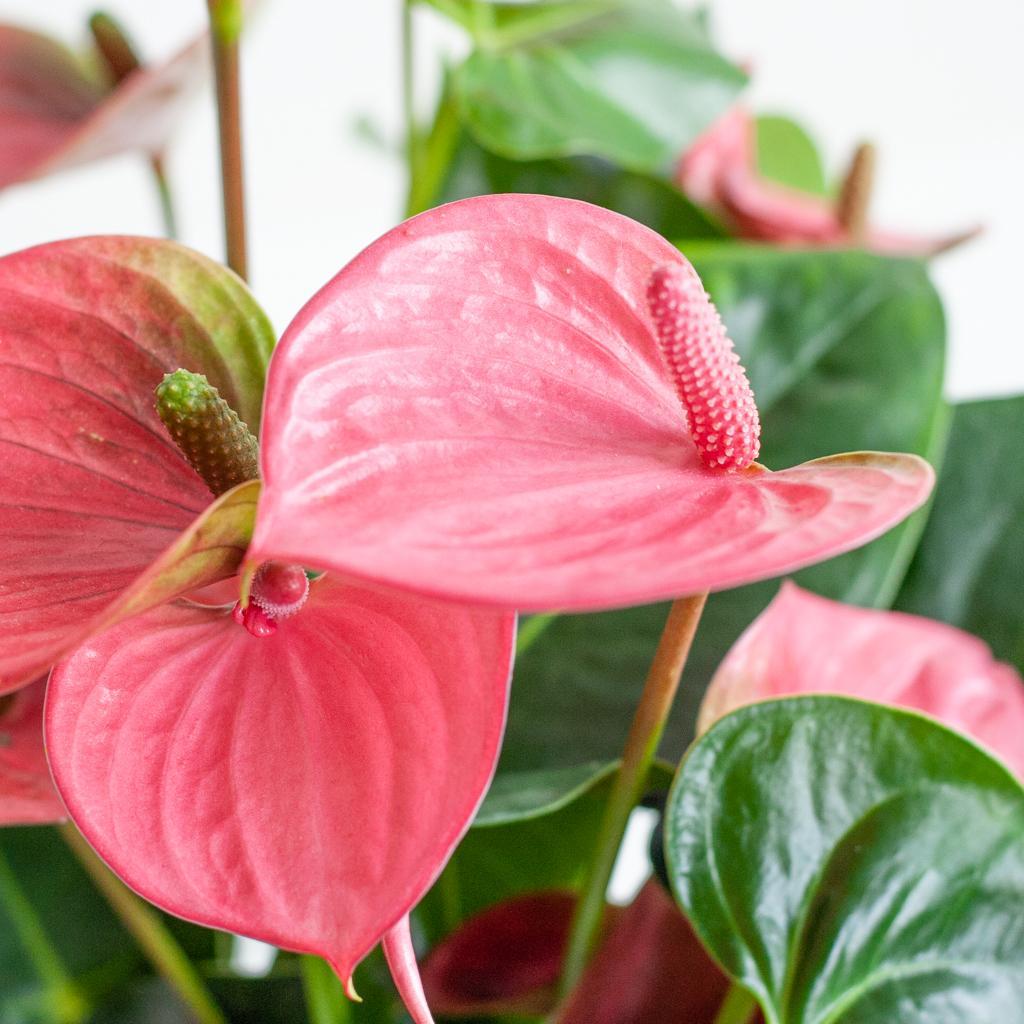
[[635, 85], [787, 154], [474, 171], [970, 563], [845, 351], [850, 863]]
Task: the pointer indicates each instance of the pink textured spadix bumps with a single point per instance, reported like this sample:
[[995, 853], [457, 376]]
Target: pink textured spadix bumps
[[705, 368]]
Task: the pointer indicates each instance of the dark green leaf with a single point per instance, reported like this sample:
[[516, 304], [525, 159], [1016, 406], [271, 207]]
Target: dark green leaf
[[475, 172], [845, 352], [786, 154], [969, 568], [635, 85], [853, 864]]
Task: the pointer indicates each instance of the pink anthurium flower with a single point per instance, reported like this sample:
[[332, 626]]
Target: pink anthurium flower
[[298, 771], [53, 115], [27, 795], [649, 968], [802, 643], [720, 172], [493, 403], [505, 960]]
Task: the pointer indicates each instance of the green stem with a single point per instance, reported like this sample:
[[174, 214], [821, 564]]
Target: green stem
[[641, 745], [325, 997], [163, 189], [737, 1007], [435, 157], [67, 1002], [532, 629], [412, 144], [149, 932], [226, 25]]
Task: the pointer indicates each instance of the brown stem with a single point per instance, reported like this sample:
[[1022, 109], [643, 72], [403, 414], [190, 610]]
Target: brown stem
[[641, 746], [225, 22], [855, 194]]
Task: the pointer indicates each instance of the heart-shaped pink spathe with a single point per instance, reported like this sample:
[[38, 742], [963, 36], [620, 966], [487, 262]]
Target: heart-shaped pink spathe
[[27, 794], [304, 788], [52, 116], [720, 172], [476, 408], [802, 643], [93, 489]]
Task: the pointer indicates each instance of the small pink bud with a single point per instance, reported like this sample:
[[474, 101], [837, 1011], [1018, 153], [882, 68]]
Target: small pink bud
[[278, 591], [706, 371], [255, 619]]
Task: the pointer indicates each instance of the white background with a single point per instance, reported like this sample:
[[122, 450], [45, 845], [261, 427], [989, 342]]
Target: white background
[[937, 84]]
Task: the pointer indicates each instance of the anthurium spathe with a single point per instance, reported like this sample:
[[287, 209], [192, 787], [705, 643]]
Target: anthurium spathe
[[303, 787], [804, 644], [479, 407], [94, 491], [27, 796], [299, 771], [54, 115], [720, 171]]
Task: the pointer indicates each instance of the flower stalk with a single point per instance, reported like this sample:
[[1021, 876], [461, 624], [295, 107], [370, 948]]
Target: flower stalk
[[645, 734], [226, 28], [145, 926], [121, 60]]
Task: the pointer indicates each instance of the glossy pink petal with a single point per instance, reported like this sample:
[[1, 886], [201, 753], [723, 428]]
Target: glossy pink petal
[[476, 408], [803, 643], [92, 489], [305, 788], [53, 116], [505, 960], [27, 794], [720, 171]]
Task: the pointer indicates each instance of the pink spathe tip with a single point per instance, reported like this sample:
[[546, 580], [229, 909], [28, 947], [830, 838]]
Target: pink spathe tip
[[709, 379]]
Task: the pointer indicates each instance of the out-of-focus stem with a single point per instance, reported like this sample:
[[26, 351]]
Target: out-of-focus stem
[[641, 746], [855, 194], [149, 932], [326, 1001], [120, 58], [164, 194], [737, 1007], [412, 143], [226, 27]]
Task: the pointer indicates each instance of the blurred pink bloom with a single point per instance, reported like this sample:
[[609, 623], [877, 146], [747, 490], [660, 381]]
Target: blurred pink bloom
[[802, 643]]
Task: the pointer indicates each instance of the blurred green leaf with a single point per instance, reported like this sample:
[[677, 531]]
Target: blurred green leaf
[[787, 154], [474, 172], [969, 567], [849, 863], [635, 85]]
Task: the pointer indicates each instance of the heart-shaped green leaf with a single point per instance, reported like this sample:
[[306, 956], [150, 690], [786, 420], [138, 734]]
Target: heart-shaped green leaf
[[851, 863], [816, 334], [967, 570], [636, 85], [787, 154], [474, 171]]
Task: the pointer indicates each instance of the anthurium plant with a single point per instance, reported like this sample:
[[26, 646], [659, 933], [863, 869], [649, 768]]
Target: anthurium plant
[[371, 642]]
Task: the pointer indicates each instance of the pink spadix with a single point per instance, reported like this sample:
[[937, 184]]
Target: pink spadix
[[705, 368], [278, 591]]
